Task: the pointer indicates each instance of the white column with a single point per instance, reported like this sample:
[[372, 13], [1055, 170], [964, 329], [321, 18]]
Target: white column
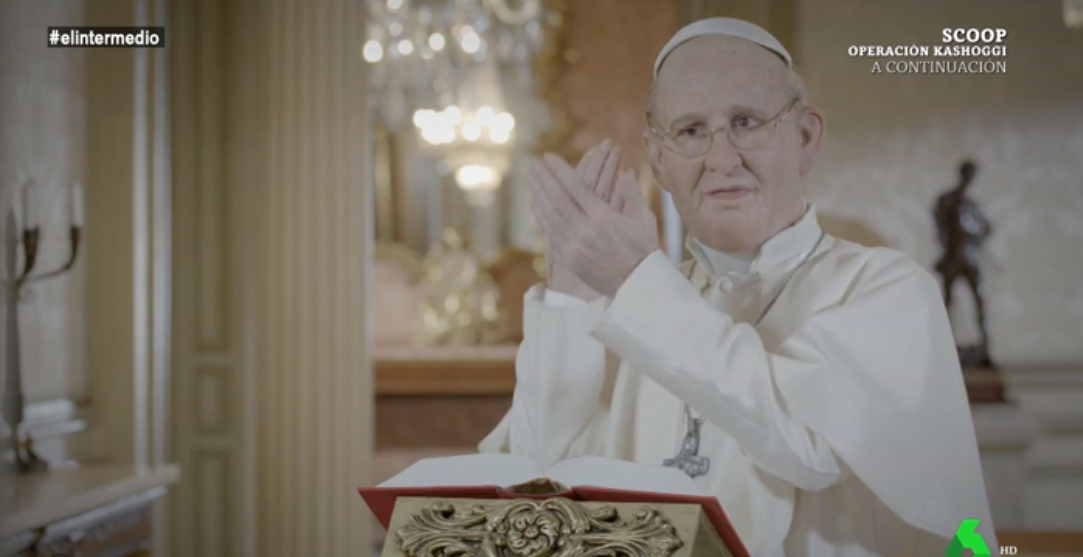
[[315, 398], [273, 404]]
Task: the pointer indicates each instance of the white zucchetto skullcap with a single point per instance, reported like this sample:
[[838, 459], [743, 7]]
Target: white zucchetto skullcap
[[723, 26]]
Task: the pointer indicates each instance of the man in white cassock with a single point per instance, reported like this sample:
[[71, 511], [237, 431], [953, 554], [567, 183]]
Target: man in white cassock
[[810, 383]]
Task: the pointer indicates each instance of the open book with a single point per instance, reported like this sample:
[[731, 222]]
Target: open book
[[507, 470], [501, 476]]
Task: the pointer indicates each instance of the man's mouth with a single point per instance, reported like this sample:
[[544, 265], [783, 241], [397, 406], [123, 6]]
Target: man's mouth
[[730, 193]]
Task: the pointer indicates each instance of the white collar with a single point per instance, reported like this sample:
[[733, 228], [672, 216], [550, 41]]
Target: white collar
[[719, 262], [788, 243]]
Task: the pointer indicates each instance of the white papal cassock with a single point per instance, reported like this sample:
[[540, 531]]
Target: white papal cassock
[[837, 427]]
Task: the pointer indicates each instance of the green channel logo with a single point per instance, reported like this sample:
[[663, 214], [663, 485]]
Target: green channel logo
[[967, 537]]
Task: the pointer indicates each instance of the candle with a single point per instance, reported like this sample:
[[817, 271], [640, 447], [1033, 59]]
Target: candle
[[77, 205], [30, 205], [13, 390], [11, 243]]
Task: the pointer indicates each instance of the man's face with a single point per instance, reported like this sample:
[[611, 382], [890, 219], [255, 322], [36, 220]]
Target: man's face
[[967, 171], [732, 200]]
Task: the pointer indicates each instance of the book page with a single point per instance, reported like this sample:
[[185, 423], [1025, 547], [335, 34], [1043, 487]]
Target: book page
[[500, 470], [504, 470], [595, 471]]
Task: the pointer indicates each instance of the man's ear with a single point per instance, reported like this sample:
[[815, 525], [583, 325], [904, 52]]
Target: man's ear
[[811, 127], [654, 156]]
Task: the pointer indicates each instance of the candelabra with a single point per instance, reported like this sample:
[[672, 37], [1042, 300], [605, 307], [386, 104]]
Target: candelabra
[[25, 460], [461, 304]]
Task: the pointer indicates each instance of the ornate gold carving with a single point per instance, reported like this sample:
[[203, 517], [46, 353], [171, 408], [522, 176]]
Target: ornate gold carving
[[461, 300], [529, 528]]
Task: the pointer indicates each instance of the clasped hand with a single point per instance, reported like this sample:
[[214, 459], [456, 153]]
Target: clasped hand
[[598, 225]]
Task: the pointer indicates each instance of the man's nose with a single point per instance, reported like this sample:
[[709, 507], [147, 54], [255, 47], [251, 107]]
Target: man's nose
[[722, 156]]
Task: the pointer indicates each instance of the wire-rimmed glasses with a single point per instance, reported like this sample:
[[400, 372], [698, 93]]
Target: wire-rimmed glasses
[[744, 132]]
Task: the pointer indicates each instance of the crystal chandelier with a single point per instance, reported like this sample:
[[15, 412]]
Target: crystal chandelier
[[447, 66], [473, 138]]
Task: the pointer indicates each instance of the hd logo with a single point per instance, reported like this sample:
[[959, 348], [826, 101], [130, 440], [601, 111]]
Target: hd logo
[[967, 537]]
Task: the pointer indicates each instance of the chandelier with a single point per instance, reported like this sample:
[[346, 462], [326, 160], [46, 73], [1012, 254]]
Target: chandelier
[[447, 66], [473, 138]]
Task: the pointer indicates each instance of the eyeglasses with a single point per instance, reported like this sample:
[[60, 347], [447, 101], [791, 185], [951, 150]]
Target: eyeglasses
[[744, 132]]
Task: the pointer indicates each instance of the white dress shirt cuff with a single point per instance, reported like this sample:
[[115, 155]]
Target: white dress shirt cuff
[[651, 303], [553, 298]]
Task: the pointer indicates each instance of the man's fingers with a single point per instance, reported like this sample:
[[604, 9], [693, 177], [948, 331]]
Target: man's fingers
[[553, 197], [604, 186], [554, 235], [542, 202], [620, 190], [560, 177], [628, 199], [547, 230], [563, 171], [594, 167], [577, 196], [587, 161]]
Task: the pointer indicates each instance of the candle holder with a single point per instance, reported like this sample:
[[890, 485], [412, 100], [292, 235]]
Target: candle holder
[[22, 445]]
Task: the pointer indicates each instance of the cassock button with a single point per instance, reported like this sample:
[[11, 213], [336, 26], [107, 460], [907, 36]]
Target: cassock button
[[725, 285]]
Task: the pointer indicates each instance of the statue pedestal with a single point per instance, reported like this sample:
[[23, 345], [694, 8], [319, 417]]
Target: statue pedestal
[[984, 385], [1005, 433]]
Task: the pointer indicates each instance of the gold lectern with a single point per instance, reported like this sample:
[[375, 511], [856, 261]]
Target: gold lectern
[[546, 519]]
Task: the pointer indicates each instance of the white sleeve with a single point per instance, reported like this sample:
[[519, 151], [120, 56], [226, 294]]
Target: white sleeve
[[560, 370], [871, 380], [718, 367], [555, 299]]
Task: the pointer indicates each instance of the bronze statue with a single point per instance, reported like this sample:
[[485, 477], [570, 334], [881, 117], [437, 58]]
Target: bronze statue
[[962, 230]]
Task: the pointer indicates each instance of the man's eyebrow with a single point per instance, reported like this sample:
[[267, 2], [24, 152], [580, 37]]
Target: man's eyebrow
[[733, 110], [686, 119], [748, 109]]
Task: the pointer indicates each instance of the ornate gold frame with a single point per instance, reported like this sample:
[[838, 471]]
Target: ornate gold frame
[[527, 528]]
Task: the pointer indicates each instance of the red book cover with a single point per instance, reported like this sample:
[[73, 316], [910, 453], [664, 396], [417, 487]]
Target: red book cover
[[381, 500]]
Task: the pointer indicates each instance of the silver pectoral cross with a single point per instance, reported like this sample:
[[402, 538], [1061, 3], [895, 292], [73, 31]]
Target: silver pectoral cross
[[688, 459]]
